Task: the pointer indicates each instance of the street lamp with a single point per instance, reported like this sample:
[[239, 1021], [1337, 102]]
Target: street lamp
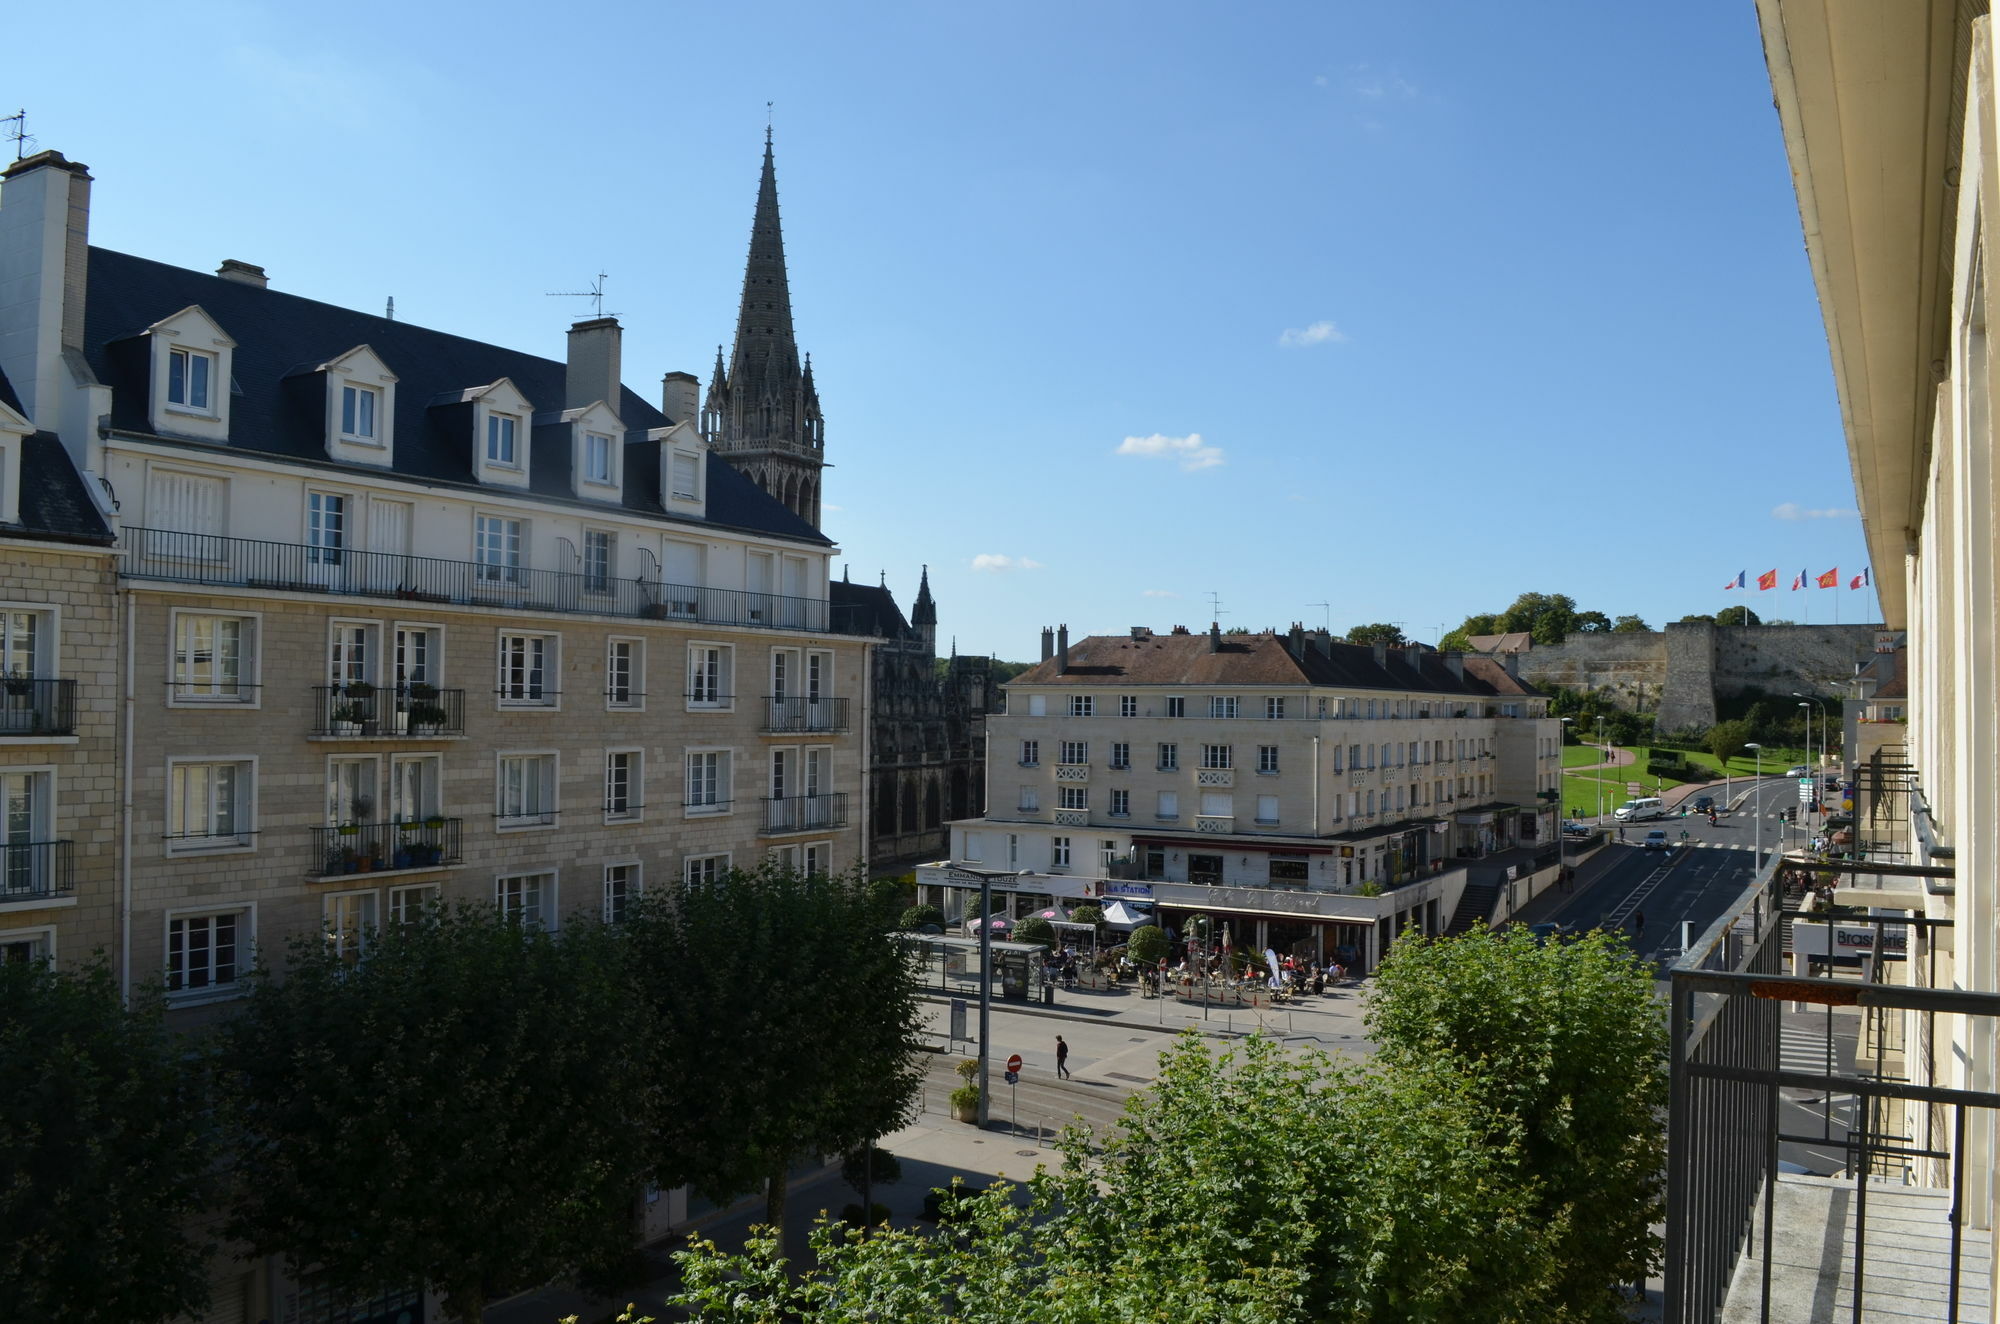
[[1604, 754], [1757, 807], [1562, 819], [1819, 768], [985, 877]]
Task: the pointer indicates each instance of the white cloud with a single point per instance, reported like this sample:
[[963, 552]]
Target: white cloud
[[1319, 333], [1189, 450], [1793, 510], [999, 563], [1159, 593], [1319, 80], [1379, 85], [831, 509]]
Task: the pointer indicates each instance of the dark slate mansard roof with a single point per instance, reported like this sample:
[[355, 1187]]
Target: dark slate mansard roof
[[275, 408], [871, 609], [1265, 659], [55, 504]]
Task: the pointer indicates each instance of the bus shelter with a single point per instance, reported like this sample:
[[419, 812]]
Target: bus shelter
[[949, 963]]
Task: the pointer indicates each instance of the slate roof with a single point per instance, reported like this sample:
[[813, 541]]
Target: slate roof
[[1516, 641], [872, 609], [1266, 659], [276, 407], [55, 504]]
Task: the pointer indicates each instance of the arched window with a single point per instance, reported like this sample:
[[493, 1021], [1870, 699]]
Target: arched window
[[933, 809]]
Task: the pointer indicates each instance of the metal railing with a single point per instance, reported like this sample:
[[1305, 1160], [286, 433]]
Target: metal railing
[[211, 559], [35, 870], [430, 843], [35, 707], [805, 714], [365, 711], [805, 813], [1729, 1073]]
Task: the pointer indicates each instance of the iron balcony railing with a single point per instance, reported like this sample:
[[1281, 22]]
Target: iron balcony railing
[[805, 813], [36, 870], [211, 559], [802, 714], [351, 848], [408, 712], [33, 707]]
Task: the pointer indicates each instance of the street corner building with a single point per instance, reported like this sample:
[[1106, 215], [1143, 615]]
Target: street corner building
[[1317, 797]]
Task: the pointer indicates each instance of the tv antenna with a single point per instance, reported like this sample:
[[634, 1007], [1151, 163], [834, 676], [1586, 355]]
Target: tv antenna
[[1327, 607], [1215, 605], [595, 294], [17, 132]]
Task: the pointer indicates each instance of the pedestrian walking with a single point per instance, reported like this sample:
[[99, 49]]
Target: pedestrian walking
[[1062, 1058], [1638, 924]]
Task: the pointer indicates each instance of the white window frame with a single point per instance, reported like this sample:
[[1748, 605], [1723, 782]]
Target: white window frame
[[1262, 801], [605, 579], [634, 888], [818, 859], [704, 870], [701, 697], [249, 692], [1073, 798], [1274, 708], [674, 492], [1168, 757], [550, 698], [399, 907], [635, 784], [245, 955], [721, 782], [1073, 753], [501, 433], [590, 447], [1176, 705], [206, 406], [352, 394], [541, 820], [338, 939], [544, 915], [1121, 755], [1031, 753], [1121, 803], [1267, 760], [1222, 706], [45, 934], [1128, 705], [46, 663], [1030, 801], [1218, 757], [1059, 853], [634, 699], [241, 841], [1083, 705], [506, 535]]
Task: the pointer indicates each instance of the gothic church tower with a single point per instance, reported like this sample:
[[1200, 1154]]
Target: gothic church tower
[[762, 413]]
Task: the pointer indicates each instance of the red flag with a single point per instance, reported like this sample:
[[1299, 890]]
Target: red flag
[[1831, 579], [1767, 580], [1854, 582]]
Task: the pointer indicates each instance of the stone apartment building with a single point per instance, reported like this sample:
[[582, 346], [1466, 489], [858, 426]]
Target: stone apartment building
[[313, 617], [1314, 794]]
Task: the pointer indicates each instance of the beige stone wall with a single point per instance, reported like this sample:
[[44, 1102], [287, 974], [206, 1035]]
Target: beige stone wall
[[76, 585], [279, 875]]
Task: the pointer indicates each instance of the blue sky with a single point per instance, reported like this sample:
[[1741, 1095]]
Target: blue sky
[[1400, 308]]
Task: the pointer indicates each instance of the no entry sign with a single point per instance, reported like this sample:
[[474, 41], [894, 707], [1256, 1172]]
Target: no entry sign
[[1014, 1062]]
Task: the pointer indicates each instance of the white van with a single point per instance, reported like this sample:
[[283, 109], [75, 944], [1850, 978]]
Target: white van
[[1646, 806]]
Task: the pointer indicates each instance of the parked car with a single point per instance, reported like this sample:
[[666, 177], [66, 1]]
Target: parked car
[[1576, 829], [1657, 840], [1646, 806]]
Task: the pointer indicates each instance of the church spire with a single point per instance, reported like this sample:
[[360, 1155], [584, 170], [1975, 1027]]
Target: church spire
[[768, 421], [924, 610]]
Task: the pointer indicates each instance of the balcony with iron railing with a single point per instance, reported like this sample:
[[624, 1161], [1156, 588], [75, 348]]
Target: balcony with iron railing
[[796, 714], [36, 871], [805, 813], [406, 712], [411, 846], [214, 561], [35, 706]]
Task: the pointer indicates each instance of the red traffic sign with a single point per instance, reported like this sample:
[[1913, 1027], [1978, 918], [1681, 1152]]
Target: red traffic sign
[[1014, 1062]]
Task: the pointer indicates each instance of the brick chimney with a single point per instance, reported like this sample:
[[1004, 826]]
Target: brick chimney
[[1215, 636], [1062, 650], [1454, 662], [247, 273], [1048, 643], [680, 397], [595, 363]]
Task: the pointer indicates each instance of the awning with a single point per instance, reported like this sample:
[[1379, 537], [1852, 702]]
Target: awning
[[1118, 915]]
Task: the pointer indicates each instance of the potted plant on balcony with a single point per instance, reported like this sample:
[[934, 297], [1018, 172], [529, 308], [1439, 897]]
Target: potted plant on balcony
[[347, 718], [19, 686], [420, 697], [425, 716], [434, 821]]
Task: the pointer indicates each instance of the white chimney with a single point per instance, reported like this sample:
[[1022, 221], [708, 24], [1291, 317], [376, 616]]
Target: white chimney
[[595, 364], [680, 397], [248, 273], [44, 255]]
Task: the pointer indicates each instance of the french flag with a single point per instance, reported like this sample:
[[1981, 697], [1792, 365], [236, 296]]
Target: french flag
[[1861, 580], [1742, 578]]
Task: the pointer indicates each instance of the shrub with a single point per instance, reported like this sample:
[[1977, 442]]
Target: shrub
[[1035, 929], [918, 916], [1148, 944], [1086, 915]]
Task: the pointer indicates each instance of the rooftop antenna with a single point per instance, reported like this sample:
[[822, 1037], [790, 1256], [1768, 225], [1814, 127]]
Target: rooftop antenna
[[17, 131], [1328, 608], [769, 116], [1215, 605], [595, 294]]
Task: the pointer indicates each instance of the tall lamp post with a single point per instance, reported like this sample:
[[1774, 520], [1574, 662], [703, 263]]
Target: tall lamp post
[[1819, 768], [1562, 819], [1605, 754], [985, 877], [1757, 808]]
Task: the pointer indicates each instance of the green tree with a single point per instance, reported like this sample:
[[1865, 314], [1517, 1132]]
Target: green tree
[[1592, 622], [1035, 929], [1726, 739], [1086, 914], [1147, 944], [1696, 619], [1629, 625], [460, 1109], [106, 1155], [1566, 1045], [1382, 632], [800, 986], [915, 917], [1548, 617], [1737, 616], [1251, 1187]]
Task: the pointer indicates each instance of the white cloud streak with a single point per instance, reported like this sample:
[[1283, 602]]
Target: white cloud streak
[[1159, 593], [1319, 333], [1793, 510], [997, 563], [1192, 453]]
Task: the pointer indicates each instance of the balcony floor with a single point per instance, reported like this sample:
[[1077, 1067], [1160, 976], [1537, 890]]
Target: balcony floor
[[1907, 1266]]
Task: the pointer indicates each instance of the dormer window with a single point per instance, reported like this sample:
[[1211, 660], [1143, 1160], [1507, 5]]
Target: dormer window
[[683, 471], [502, 445], [190, 378], [596, 458], [359, 406], [684, 476]]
